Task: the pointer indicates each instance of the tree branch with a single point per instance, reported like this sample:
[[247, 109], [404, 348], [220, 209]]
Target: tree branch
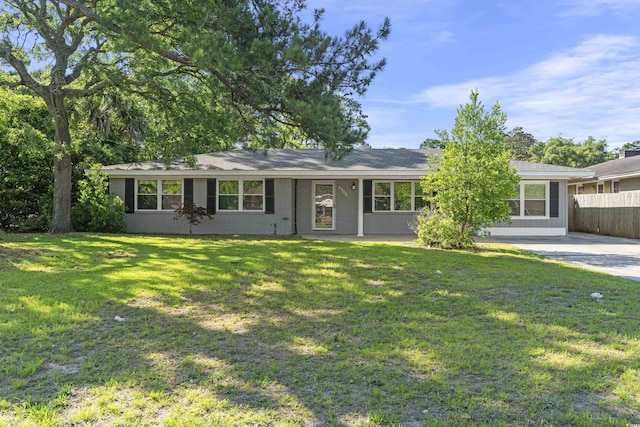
[[25, 78]]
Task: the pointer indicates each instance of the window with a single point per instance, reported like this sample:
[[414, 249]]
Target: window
[[600, 188], [253, 196], [382, 196], [531, 200], [232, 192], [420, 200], [402, 196], [615, 187], [514, 203], [580, 189], [397, 196], [159, 194], [171, 194]]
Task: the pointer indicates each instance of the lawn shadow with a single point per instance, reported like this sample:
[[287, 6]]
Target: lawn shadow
[[325, 333]]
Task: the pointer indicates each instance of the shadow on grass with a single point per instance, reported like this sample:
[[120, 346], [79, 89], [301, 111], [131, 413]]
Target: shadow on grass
[[317, 333]]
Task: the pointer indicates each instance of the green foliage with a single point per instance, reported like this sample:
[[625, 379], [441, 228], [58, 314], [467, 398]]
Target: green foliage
[[26, 135], [193, 214], [520, 143], [472, 179], [565, 152], [435, 229], [635, 145], [431, 143], [97, 210]]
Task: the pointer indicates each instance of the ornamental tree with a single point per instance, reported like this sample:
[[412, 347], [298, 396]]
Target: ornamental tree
[[243, 68], [470, 181]]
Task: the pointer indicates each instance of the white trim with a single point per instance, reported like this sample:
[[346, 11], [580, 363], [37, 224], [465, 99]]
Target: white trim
[[360, 208], [313, 205], [547, 203], [392, 195], [158, 194], [240, 195], [321, 174], [527, 231]]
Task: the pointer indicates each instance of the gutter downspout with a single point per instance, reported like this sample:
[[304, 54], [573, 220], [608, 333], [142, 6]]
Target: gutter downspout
[[295, 206]]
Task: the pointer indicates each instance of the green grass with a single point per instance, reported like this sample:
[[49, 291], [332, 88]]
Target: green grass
[[291, 332]]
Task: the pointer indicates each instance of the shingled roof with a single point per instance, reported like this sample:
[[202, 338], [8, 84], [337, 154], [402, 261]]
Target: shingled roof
[[300, 160], [626, 166]]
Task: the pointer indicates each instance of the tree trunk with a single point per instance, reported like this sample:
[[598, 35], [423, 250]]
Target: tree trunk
[[62, 167]]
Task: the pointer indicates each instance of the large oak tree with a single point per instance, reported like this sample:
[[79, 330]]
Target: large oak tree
[[246, 68]]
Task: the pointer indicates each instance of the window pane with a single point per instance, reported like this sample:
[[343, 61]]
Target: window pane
[[171, 186], [228, 203], [402, 196], [515, 207], [382, 203], [148, 186], [382, 189], [229, 187], [535, 208], [252, 187], [535, 191], [147, 202], [171, 202], [252, 203]]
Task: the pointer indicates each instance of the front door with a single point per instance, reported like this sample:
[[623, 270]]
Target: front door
[[323, 206]]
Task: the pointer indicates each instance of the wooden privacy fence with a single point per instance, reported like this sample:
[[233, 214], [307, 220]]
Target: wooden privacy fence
[[615, 214]]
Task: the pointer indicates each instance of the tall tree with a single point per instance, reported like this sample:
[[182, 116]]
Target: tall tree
[[257, 64], [634, 145], [565, 152], [472, 179], [431, 143], [519, 142]]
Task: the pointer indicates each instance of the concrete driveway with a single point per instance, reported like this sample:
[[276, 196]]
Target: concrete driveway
[[613, 255]]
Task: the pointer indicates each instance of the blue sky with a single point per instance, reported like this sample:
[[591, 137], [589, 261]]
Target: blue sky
[[562, 67]]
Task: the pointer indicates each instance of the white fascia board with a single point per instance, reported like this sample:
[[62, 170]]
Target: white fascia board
[[270, 173], [620, 176], [555, 175]]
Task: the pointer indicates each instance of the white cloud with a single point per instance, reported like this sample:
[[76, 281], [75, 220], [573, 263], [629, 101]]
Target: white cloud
[[585, 8], [591, 89]]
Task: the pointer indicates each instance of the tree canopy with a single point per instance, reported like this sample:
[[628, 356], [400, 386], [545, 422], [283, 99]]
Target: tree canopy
[[565, 152], [472, 179], [216, 73]]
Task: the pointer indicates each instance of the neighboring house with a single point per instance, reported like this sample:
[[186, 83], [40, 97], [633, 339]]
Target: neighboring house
[[289, 191], [614, 176]]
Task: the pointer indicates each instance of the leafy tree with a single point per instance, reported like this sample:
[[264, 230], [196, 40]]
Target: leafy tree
[[520, 143], [193, 214], [431, 143], [565, 152], [241, 68], [98, 210], [635, 145], [26, 144], [470, 181]]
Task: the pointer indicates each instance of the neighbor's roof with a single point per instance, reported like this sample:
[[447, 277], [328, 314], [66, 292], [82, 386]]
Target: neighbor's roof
[[301, 162], [618, 168]]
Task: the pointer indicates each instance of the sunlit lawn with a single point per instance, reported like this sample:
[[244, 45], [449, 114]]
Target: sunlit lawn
[[292, 332]]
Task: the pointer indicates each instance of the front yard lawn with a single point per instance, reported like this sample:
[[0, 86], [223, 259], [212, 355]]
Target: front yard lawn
[[290, 332]]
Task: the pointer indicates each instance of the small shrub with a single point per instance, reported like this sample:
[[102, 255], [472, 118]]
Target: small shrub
[[97, 210], [435, 229], [192, 213]]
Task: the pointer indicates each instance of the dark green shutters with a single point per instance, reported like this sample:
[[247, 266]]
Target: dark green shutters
[[188, 192], [554, 199], [367, 191], [269, 202], [129, 194], [211, 195]]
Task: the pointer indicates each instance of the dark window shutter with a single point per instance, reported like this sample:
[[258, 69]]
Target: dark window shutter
[[554, 199], [188, 192], [211, 196], [129, 194], [367, 190], [269, 197]]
